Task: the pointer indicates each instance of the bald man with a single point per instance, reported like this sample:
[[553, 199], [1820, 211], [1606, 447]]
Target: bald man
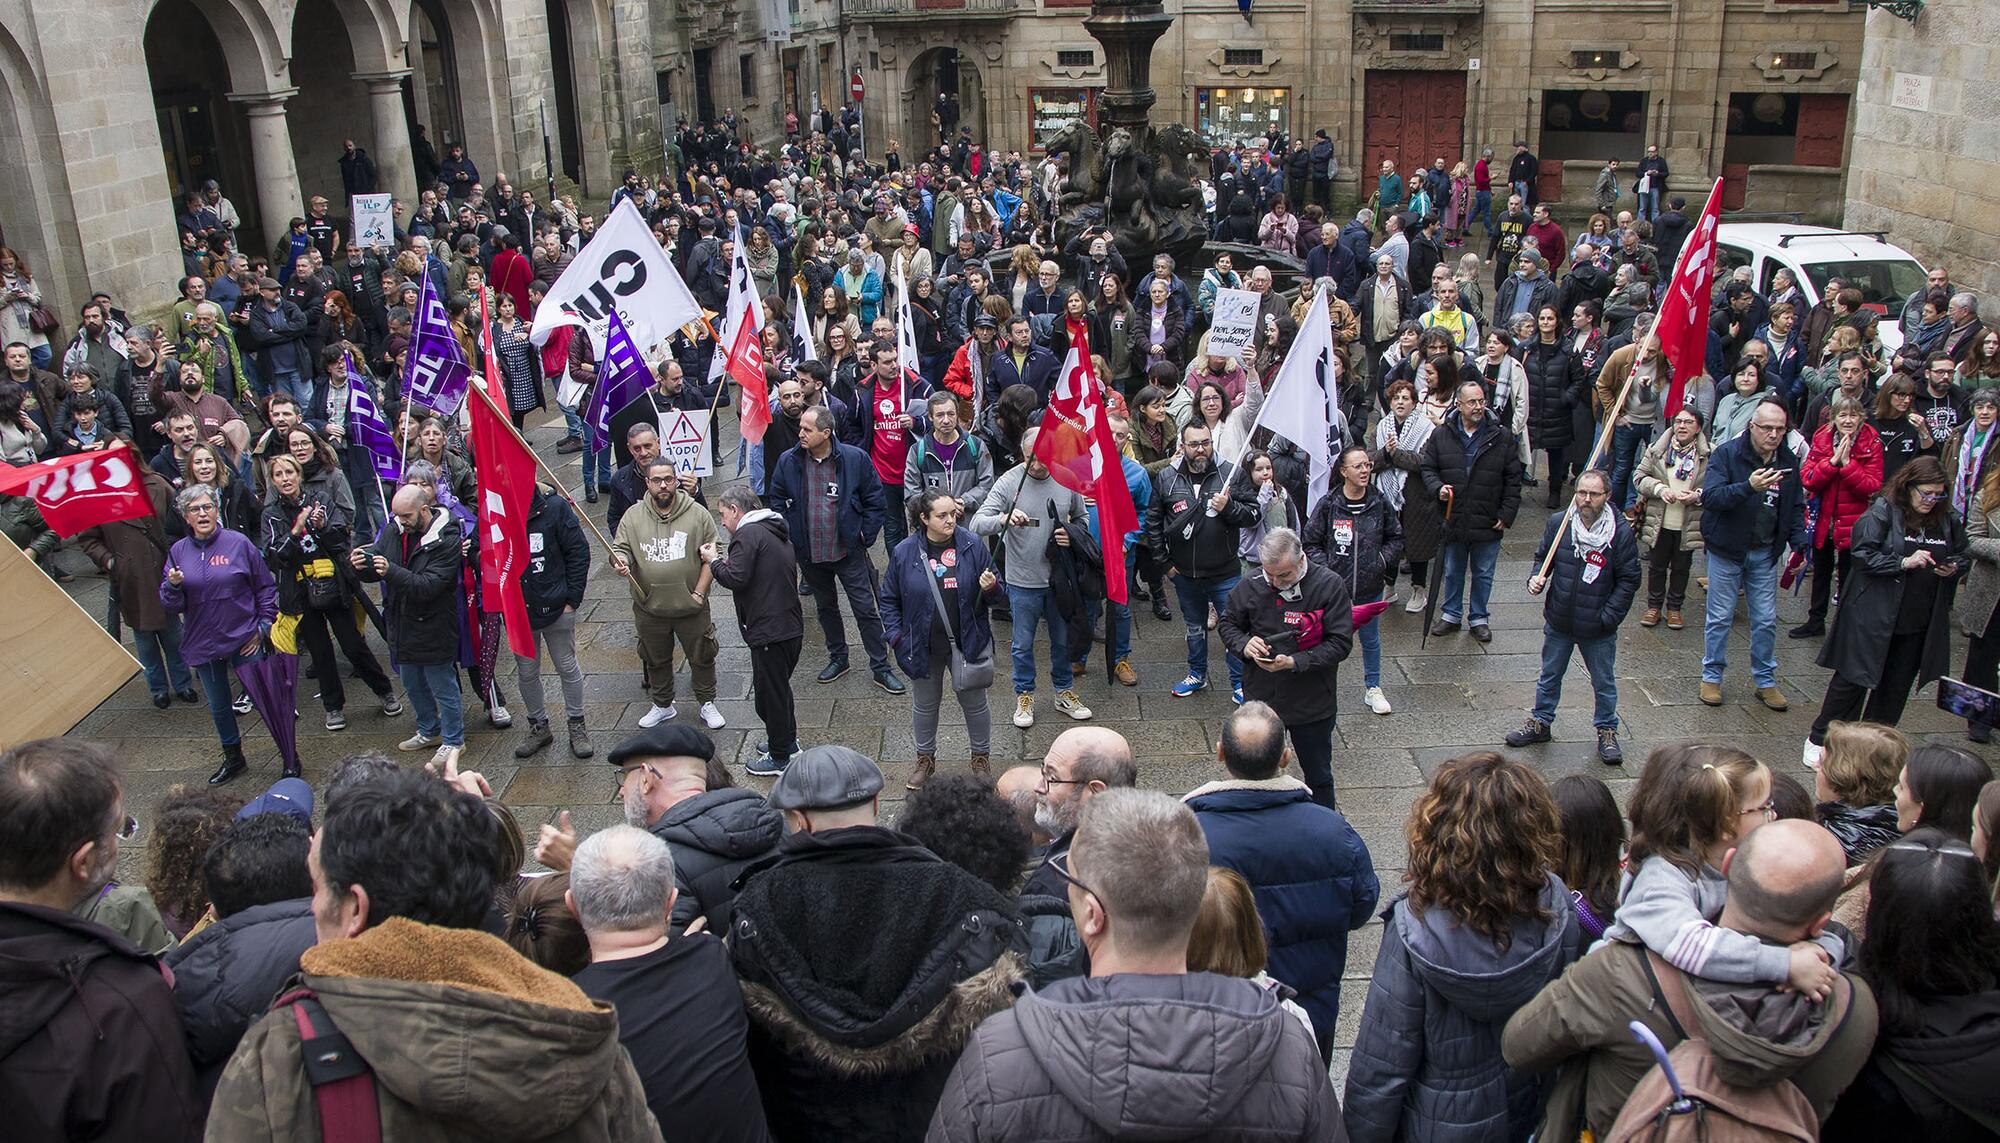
[[419, 563], [1082, 762], [1783, 878], [1017, 785]]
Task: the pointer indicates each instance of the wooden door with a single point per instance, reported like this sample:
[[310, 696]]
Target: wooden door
[[1412, 118]]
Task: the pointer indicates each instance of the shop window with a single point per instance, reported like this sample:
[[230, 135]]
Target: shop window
[[1055, 107], [1593, 124], [1785, 128], [1231, 115]]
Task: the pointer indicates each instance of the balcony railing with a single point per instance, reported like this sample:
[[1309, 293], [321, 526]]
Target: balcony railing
[[1419, 6], [918, 9]]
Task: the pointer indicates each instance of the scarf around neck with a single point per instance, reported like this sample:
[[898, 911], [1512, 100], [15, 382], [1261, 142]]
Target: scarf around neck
[[1587, 538]]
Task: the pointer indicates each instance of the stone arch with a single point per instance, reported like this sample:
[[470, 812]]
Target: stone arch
[[579, 42], [36, 217], [203, 58], [930, 72], [477, 61]]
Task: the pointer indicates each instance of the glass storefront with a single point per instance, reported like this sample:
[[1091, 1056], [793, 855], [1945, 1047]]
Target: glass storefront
[[1055, 107], [1231, 115]]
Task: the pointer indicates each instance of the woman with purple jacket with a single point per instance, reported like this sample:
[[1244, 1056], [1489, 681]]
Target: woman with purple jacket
[[218, 582]]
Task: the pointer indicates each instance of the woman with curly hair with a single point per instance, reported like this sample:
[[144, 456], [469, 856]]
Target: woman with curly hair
[[1483, 927], [190, 819]]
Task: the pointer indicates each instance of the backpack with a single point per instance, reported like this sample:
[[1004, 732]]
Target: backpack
[[1683, 1099]]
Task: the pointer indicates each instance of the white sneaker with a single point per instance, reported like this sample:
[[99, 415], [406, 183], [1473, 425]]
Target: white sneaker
[[1418, 597], [417, 741], [657, 714], [1812, 755], [500, 716], [1377, 701], [1024, 711], [712, 717], [446, 756], [1067, 703], [1393, 596]]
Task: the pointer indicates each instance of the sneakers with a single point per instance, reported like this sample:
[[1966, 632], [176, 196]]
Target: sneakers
[[1189, 685], [1531, 732], [1211, 617], [1125, 672], [1608, 751], [764, 766], [1377, 701], [1773, 698], [499, 716], [579, 740], [418, 741], [336, 720], [1674, 621], [1392, 595], [242, 705], [887, 680], [1711, 693], [392, 706], [446, 756], [1024, 710], [1812, 755], [834, 670], [921, 772], [1236, 695], [1418, 597], [657, 714], [1651, 618], [539, 738], [1067, 703], [711, 717]]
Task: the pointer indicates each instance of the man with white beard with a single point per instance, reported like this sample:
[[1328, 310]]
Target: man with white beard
[[1082, 762], [673, 785]]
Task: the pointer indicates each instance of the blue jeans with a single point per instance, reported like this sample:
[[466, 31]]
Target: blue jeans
[[433, 692], [1484, 557], [597, 468], [1482, 210], [573, 422], [1627, 443], [1031, 605], [1370, 634], [1522, 190], [218, 682], [1195, 595], [293, 382], [41, 355], [1756, 574], [1121, 630], [159, 652], [1649, 204], [1599, 657]]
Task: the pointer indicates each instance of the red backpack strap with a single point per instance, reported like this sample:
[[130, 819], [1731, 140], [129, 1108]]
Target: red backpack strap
[[343, 1086]]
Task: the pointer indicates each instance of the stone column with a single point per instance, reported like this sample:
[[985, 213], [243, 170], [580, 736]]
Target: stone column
[[278, 197], [395, 167]]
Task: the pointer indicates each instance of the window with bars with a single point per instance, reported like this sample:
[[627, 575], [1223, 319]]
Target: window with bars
[[1590, 59], [1242, 57], [1794, 61], [1416, 42], [1079, 57]]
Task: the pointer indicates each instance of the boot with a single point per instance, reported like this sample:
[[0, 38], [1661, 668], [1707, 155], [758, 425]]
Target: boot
[[579, 742], [233, 764], [921, 772], [538, 739], [982, 763]]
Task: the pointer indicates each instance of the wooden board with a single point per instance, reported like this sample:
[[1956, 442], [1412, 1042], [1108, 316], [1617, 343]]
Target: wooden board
[[56, 662]]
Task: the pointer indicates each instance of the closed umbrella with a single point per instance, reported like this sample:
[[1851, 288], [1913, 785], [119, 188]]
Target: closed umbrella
[[1437, 577], [271, 681]]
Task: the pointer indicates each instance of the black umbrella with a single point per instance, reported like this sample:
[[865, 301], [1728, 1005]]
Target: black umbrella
[[1437, 577]]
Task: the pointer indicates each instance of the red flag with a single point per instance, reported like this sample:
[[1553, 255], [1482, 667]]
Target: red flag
[[1076, 445], [1683, 325], [506, 496], [82, 491], [746, 365]]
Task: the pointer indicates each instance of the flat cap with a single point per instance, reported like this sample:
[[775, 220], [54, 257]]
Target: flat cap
[[664, 742], [826, 778]]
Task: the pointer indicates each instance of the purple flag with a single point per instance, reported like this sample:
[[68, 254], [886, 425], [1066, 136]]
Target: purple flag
[[367, 428], [622, 378], [435, 373]]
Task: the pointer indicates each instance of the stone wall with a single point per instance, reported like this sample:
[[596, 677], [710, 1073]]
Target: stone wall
[[1926, 162]]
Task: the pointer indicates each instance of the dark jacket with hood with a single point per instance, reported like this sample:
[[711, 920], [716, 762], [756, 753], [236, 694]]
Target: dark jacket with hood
[[1311, 874], [1484, 474], [1873, 595], [1128, 1056], [762, 573], [1427, 1060], [714, 836], [1592, 610], [1557, 385], [558, 559], [1861, 829], [1758, 1035], [1318, 627], [854, 1023], [1363, 547], [226, 975], [1933, 1082], [90, 1043], [420, 605]]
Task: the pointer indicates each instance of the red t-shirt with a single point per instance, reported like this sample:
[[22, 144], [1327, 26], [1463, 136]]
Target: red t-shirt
[[888, 442]]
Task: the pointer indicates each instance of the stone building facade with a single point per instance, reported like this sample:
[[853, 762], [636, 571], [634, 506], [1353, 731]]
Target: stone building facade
[[1926, 164]]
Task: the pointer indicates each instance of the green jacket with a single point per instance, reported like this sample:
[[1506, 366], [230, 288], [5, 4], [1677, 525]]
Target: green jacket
[[467, 1039], [207, 354], [664, 553], [21, 521]]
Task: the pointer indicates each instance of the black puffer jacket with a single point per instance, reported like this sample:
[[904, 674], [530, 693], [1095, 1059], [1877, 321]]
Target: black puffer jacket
[[1594, 609], [1362, 546], [1557, 384], [558, 559], [420, 605], [226, 975], [713, 836], [762, 572], [1485, 479], [1861, 829]]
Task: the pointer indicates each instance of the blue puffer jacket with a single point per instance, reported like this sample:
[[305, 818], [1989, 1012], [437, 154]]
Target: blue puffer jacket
[[908, 611], [1729, 505], [1595, 609], [1427, 1058], [226, 976], [1311, 874], [860, 496]]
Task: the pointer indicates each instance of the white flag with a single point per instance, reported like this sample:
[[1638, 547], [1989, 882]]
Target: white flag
[[910, 368], [802, 323], [1296, 404], [622, 266]]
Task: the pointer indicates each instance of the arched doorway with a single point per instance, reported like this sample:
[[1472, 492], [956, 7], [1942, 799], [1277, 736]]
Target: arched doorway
[[433, 87], [578, 117], [202, 134], [934, 72], [331, 106], [29, 188], [454, 58]]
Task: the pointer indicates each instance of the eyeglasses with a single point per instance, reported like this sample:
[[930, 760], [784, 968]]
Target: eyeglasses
[[128, 829], [628, 771], [1769, 809], [1050, 780], [1059, 865], [1928, 497]]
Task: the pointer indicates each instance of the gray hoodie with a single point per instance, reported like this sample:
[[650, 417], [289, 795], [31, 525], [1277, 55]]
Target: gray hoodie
[[1197, 1056]]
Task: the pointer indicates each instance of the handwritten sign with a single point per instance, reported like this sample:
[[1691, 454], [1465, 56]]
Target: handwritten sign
[[1235, 324]]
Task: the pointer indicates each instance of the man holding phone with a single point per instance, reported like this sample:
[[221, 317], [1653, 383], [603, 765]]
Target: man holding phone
[[1753, 506]]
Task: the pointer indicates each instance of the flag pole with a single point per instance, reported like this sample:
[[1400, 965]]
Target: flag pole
[[540, 464]]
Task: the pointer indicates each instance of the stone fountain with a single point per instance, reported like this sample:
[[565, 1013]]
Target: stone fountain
[[1135, 178]]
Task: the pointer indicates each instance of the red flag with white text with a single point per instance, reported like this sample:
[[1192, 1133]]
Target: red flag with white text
[[746, 365], [1075, 443], [1683, 324], [84, 490], [506, 473]]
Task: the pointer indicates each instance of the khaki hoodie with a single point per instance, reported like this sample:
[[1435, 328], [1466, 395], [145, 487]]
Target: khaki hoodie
[[467, 1039], [664, 552]]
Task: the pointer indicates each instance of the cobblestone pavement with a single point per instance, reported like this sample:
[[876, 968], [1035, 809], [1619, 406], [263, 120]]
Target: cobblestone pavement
[[1450, 697]]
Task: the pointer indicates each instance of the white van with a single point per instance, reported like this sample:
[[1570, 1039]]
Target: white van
[[1885, 274]]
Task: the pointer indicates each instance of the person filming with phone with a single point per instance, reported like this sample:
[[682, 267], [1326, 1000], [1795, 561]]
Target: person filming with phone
[[1292, 622], [1752, 508]]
